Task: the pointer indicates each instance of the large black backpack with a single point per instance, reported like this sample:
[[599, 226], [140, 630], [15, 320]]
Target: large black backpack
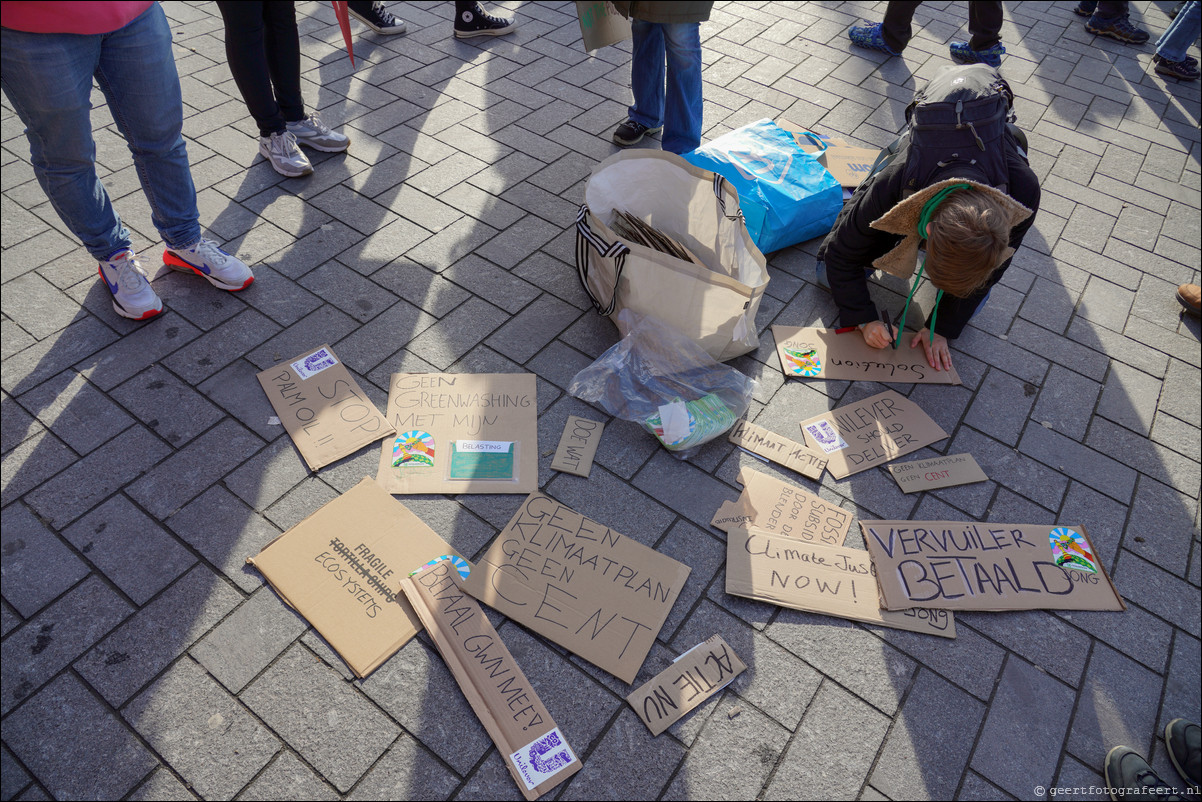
[[960, 116]]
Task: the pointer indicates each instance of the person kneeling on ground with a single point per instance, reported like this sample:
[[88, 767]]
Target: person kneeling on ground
[[970, 228]]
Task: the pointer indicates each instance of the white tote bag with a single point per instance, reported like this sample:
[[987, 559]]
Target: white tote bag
[[713, 303]]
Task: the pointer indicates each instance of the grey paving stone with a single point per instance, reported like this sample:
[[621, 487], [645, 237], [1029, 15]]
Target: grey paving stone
[[533, 328], [310, 251], [970, 661], [300, 502], [1066, 401], [406, 771], [170, 408], [1011, 469], [776, 682], [136, 350], [210, 739], [279, 297], [1149, 458], [1024, 729], [452, 243], [265, 477], [242, 645], [372, 343], [1036, 340], [220, 346], [38, 566], [1182, 385], [1083, 464], [1158, 591], [683, 488], [732, 758], [336, 730], [236, 390], [74, 745], [493, 284], [225, 532], [153, 637], [347, 290], [837, 729], [704, 554], [929, 745], [1161, 527], [51, 355], [32, 461], [608, 500], [1117, 706], [457, 333], [288, 778], [1177, 435], [1001, 407], [325, 325], [610, 774], [13, 778], [129, 548], [874, 671], [56, 636], [184, 475], [1130, 397], [415, 687], [76, 411], [160, 786], [1039, 636], [1180, 687], [421, 287]]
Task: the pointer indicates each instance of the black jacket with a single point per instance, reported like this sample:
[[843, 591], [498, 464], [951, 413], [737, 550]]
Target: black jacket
[[853, 244]]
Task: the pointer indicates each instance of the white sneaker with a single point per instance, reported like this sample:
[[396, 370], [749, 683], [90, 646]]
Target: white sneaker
[[132, 295], [205, 259], [280, 149], [313, 133]]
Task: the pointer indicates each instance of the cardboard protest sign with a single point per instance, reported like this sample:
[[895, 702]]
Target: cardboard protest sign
[[969, 566], [580, 584], [831, 580], [341, 569], [322, 408], [850, 166], [932, 474], [692, 678], [577, 446], [461, 433], [871, 432], [781, 508], [778, 448], [533, 748], [601, 24], [812, 353]]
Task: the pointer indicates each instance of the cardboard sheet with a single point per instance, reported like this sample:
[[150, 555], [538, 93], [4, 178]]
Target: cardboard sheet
[[831, 580], [781, 508], [778, 448], [577, 446], [321, 406], [601, 24], [850, 166], [692, 678], [461, 433], [932, 474], [812, 353], [341, 568], [871, 432], [957, 565], [580, 584], [532, 746]]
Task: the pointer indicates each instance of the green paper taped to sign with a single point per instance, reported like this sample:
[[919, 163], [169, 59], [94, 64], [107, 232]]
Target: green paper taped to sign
[[481, 459]]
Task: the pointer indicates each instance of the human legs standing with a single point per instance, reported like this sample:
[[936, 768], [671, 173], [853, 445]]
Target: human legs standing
[[985, 26], [1110, 19], [647, 72], [682, 100], [1172, 47]]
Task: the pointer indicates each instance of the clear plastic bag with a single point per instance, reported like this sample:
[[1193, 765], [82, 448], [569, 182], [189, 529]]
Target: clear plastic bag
[[660, 379]]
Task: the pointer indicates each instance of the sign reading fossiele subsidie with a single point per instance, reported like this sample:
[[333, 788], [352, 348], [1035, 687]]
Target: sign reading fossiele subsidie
[[781, 508], [957, 565]]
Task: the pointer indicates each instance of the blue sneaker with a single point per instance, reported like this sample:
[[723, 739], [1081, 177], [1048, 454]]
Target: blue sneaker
[[871, 37], [963, 53]]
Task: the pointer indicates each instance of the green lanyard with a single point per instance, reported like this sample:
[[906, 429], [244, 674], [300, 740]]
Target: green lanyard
[[928, 211]]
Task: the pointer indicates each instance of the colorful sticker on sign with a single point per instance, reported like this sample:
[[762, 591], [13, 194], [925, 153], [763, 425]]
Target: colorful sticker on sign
[[1071, 550], [461, 565], [543, 758], [314, 363], [803, 362], [413, 449], [826, 436]]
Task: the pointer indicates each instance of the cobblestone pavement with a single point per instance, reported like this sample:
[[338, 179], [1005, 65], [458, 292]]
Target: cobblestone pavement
[[142, 659]]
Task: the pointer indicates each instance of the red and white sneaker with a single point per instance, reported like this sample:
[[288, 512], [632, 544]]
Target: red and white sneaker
[[133, 297], [205, 259]]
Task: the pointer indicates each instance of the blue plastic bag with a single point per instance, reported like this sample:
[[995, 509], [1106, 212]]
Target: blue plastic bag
[[787, 196]]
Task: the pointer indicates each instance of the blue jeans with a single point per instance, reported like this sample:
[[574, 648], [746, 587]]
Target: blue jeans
[[1181, 33], [678, 45], [48, 80]]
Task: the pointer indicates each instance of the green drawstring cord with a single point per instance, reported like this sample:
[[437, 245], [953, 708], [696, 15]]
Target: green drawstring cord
[[928, 211]]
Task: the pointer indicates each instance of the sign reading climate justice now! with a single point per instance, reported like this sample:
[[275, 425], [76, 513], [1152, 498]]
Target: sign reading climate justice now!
[[969, 566]]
